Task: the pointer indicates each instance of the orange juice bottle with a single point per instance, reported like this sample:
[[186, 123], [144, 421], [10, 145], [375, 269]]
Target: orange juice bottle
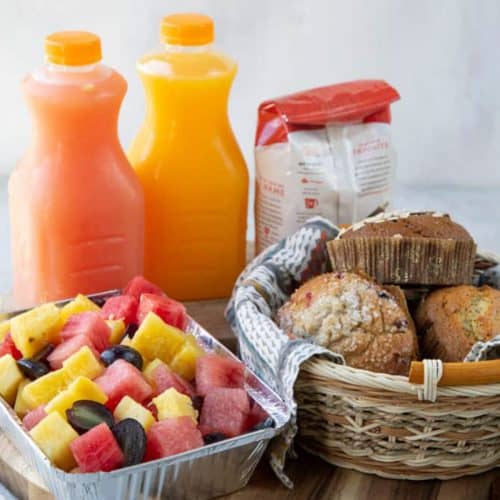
[[76, 205], [194, 177]]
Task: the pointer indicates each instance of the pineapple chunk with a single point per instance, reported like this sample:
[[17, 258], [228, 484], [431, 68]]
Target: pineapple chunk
[[83, 364], [184, 362], [117, 327], [156, 339], [81, 388], [172, 403], [33, 330], [4, 329], [21, 407], [150, 367], [54, 435], [126, 341], [129, 408], [78, 305], [43, 389], [10, 378]]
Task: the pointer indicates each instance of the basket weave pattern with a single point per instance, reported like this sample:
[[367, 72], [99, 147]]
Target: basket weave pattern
[[377, 423]]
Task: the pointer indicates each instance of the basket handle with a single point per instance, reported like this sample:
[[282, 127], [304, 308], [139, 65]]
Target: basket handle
[[472, 373]]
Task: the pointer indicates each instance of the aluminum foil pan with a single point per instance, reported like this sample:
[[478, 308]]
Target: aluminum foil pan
[[206, 472]]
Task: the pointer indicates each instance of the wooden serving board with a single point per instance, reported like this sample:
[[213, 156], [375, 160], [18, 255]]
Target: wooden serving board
[[313, 478]]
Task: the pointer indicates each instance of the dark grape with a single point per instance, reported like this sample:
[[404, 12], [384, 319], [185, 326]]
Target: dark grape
[[197, 402], [42, 355], [124, 352], [131, 329], [32, 369], [85, 414], [214, 437], [131, 437]]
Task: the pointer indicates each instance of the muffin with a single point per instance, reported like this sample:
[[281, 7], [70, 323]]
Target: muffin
[[424, 248], [353, 316], [451, 320]]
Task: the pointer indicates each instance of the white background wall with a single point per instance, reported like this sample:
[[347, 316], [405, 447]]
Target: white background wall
[[442, 55]]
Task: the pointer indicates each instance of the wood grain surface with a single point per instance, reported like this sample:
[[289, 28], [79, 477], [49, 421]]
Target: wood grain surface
[[313, 478]]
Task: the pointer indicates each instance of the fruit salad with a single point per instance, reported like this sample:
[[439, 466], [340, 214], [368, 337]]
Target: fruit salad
[[101, 386]]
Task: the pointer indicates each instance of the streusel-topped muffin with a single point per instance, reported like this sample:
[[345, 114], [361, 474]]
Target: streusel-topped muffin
[[354, 316]]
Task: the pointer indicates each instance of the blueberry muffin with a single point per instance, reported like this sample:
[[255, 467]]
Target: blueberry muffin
[[352, 315], [451, 320], [422, 248]]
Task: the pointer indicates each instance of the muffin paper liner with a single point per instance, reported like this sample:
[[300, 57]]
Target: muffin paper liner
[[401, 260]]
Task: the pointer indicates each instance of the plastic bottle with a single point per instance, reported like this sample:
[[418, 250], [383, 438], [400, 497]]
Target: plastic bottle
[[194, 177], [76, 206]]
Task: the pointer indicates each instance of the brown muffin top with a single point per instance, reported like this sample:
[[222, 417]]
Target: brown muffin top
[[407, 225], [355, 317], [451, 320]]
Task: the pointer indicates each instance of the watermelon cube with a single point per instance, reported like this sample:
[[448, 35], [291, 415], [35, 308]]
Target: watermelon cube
[[171, 436], [256, 416], [90, 324], [69, 347], [162, 378], [213, 371], [7, 346], [225, 410], [139, 285], [123, 379], [122, 307], [169, 310], [33, 417], [97, 450]]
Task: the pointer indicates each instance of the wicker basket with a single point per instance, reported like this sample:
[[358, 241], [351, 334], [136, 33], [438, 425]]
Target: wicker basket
[[380, 424], [433, 427]]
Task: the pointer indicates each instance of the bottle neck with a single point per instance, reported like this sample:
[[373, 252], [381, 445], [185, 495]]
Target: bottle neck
[[60, 68], [75, 104], [187, 49], [186, 85]]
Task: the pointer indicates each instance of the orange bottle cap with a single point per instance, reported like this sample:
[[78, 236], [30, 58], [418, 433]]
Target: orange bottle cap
[[187, 29], [73, 48]]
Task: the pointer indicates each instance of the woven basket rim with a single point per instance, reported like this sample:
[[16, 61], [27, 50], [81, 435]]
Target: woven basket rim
[[394, 383]]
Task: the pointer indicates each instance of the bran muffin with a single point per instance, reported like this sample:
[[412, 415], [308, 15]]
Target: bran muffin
[[423, 248], [451, 320], [354, 316]]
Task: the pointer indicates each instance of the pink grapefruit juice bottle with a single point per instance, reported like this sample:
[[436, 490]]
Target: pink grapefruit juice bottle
[[76, 205]]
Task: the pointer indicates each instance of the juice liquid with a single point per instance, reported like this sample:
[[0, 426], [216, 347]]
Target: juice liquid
[[76, 206], [194, 177]]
